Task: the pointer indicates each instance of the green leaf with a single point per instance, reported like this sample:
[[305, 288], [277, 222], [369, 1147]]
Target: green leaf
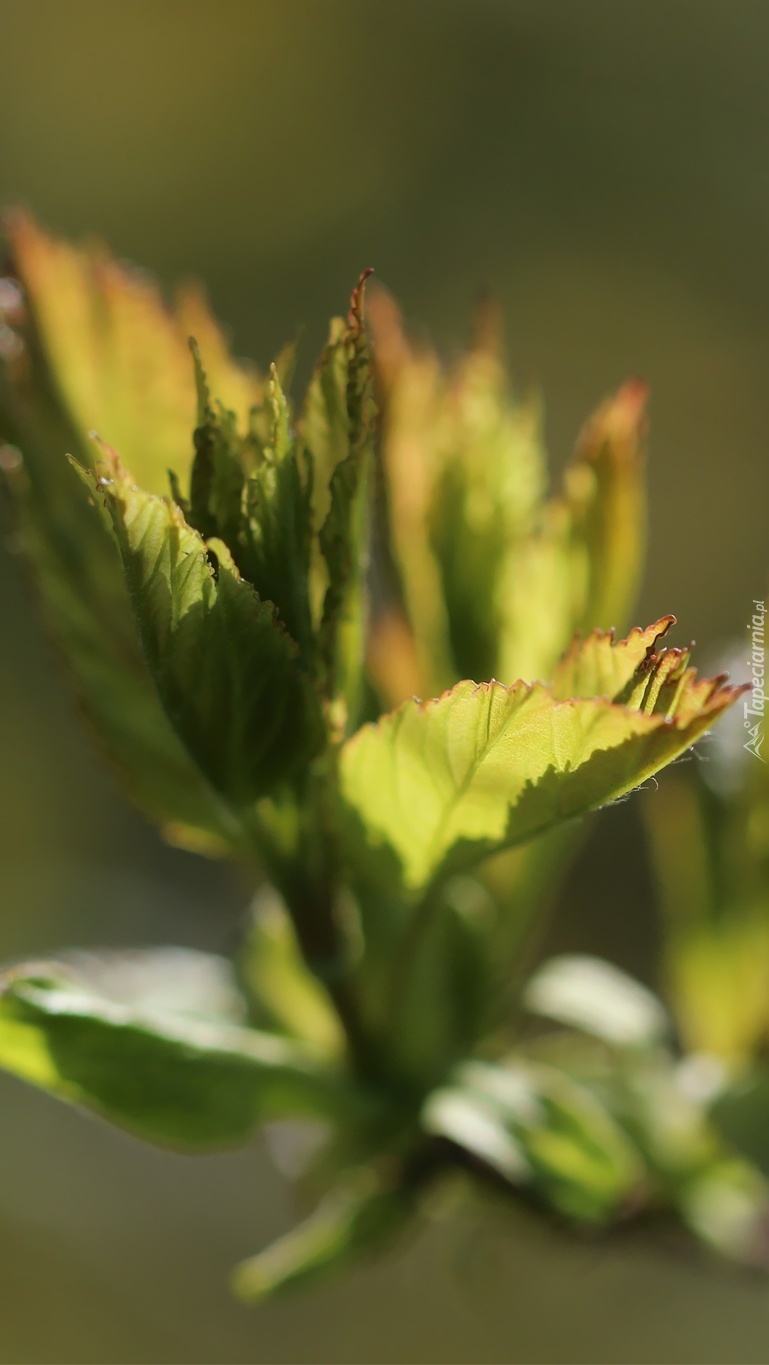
[[354, 1218], [438, 784], [166, 1076], [253, 491], [585, 993], [336, 428], [539, 1129], [81, 582], [226, 672]]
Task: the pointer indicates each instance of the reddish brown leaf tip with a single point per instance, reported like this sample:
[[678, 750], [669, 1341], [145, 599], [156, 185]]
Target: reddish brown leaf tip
[[355, 315]]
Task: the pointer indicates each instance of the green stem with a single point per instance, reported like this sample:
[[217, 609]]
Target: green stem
[[304, 868]]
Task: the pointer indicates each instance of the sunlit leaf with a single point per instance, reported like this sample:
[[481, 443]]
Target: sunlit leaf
[[166, 1076], [439, 783], [495, 576], [225, 670], [99, 333], [579, 568]]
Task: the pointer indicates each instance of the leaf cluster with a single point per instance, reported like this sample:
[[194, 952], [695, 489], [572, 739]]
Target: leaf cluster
[[286, 624]]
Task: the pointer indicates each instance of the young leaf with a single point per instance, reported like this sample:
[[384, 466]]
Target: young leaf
[[225, 671], [440, 783], [89, 334], [253, 491], [99, 337], [580, 566], [336, 428], [174, 1080], [495, 577], [81, 581]]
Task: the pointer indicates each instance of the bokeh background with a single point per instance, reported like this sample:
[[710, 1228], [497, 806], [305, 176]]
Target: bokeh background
[[603, 168]]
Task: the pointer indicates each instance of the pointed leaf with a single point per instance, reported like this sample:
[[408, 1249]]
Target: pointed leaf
[[579, 569], [253, 491], [440, 783], [600, 666], [496, 578], [224, 669], [168, 1078], [336, 428], [81, 581]]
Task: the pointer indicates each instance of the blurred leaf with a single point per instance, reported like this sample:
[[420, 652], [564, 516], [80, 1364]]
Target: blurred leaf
[[488, 483], [727, 1207], [496, 578], [225, 671], [167, 980], [435, 994], [286, 994], [170, 1078], [117, 357], [580, 567], [354, 1218], [538, 1128], [439, 784], [336, 428], [597, 998], [711, 858]]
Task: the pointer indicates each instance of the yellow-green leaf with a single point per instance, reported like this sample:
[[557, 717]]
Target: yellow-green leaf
[[439, 783], [579, 568], [100, 335]]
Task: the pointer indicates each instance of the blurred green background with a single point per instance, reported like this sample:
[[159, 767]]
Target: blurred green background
[[604, 169]]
